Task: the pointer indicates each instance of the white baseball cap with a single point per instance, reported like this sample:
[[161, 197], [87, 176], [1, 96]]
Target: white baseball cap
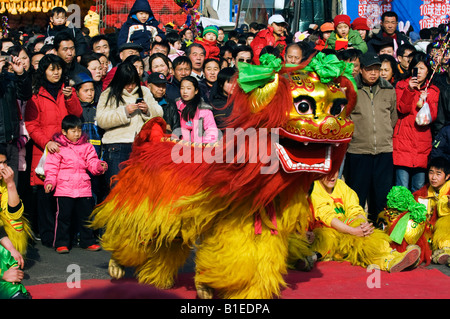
[[277, 18]]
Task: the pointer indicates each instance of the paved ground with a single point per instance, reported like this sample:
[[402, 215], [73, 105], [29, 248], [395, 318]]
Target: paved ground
[[43, 265]]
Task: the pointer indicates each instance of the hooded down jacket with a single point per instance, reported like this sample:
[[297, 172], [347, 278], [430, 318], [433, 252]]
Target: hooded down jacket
[[67, 170], [134, 31]]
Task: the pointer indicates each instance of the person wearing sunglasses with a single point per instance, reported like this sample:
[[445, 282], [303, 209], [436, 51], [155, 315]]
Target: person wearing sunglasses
[[242, 53]]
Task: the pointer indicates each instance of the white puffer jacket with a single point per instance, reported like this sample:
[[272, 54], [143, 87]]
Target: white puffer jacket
[[119, 126]]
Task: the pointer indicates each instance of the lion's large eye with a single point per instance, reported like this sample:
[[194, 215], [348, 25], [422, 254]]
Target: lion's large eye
[[303, 107], [338, 106]]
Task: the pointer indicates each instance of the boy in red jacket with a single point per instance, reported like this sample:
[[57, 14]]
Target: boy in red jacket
[[209, 42], [273, 36]]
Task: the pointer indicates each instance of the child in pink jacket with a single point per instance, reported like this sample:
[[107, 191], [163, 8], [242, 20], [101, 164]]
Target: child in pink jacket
[[196, 117], [66, 172]]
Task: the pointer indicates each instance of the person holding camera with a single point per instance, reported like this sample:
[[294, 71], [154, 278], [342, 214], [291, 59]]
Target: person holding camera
[[13, 86], [122, 110], [412, 139]]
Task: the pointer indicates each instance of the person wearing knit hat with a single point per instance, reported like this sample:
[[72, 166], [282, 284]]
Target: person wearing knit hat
[[341, 18], [325, 32], [210, 33], [209, 42], [362, 26], [342, 29], [343, 38], [342, 26], [327, 27]]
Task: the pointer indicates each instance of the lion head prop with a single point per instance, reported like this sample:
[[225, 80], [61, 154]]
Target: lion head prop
[[309, 104]]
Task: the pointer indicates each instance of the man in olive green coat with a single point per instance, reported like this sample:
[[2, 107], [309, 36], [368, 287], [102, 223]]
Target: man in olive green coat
[[369, 164]]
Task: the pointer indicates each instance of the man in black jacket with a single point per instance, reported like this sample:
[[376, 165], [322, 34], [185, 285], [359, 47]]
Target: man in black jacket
[[182, 67], [64, 45], [389, 22], [442, 81], [13, 86]]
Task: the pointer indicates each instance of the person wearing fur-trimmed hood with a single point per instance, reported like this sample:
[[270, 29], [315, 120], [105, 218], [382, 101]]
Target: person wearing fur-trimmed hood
[[141, 27]]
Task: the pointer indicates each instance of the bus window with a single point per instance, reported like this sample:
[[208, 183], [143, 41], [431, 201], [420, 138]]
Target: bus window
[[300, 14]]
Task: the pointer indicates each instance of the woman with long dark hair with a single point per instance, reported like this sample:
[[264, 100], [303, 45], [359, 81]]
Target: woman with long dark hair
[[122, 110], [52, 100], [196, 117], [413, 141], [24, 160], [138, 63], [219, 96]]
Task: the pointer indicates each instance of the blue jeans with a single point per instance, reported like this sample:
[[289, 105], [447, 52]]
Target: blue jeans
[[113, 155], [405, 175]]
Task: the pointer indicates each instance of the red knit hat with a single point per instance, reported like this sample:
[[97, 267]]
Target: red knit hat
[[341, 18], [360, 24]]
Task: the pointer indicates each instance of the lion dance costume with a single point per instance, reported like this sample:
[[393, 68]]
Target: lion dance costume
[[229, 200], [422, 218]]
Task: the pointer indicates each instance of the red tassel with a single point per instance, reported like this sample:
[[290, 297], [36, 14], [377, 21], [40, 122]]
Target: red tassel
[[270, 209]]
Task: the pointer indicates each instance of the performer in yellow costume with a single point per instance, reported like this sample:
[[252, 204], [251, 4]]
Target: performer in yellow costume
[[11, 215], [435, 196], [343, 233]]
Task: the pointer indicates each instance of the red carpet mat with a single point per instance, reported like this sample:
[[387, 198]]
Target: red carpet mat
[[328, 280]]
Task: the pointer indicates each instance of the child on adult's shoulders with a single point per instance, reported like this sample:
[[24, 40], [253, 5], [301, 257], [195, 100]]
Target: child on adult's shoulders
[[140, 28], [209, 42], [343, 37]]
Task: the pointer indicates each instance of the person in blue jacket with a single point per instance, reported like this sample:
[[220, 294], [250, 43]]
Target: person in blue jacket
[[141, 27]]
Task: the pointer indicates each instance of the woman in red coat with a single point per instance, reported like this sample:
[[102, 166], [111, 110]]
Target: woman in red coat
[[413, 142], [50, 103]]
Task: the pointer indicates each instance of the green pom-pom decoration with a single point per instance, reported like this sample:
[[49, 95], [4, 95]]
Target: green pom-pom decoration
[[401, 199], [418, 212]]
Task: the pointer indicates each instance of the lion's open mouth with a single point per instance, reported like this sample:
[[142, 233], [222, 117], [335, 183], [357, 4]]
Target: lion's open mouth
[[299, 153], [298, 157]]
